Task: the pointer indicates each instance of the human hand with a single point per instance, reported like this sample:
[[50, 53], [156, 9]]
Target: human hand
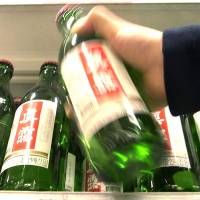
[[139, 46]]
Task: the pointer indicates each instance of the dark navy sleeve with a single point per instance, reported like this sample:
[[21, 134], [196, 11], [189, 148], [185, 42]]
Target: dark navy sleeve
[[181, 51]]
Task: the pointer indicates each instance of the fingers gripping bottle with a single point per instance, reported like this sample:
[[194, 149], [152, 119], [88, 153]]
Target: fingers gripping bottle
[[118, 133], [31, 158]]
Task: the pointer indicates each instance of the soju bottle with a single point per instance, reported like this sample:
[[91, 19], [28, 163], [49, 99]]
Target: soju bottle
[[118, 134], [32, 155], [6, 106], [71, 175], [176, 172]]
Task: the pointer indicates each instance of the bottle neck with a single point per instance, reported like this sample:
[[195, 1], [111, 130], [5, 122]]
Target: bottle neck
[[5, 85], [48, 77], [68, 18], [6, 73]]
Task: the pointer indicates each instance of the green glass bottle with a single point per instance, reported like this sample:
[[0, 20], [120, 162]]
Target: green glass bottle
[[6, 106], [70, 175], [191, 126], [32, 156], [118, 134], [64, 25], [176, 172], [130, 186]]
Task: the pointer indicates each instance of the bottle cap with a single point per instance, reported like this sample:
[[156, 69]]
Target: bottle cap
[[48, 63], [64, 9], [6, 62]]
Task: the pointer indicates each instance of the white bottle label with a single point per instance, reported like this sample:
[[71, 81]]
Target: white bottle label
[[175, 142], [31, 135], [93, 184], [197, 122], [70, 172], [99, 86]]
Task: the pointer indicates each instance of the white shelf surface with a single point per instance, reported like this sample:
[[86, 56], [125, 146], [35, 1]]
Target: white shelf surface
[[97, 196]]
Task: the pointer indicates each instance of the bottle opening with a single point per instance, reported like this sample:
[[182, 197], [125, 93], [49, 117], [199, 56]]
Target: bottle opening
[[64, 9]]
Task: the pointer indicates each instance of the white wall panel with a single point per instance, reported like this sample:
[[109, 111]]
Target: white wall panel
[[28, 34]]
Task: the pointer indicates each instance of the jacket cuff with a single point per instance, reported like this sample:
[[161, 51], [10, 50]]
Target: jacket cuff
[[181, 50]]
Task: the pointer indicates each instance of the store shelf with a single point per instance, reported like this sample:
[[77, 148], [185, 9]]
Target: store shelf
[[97, 196]]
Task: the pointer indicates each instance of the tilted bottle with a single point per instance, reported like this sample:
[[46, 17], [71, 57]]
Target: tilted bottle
[[176, 172], [118, 134], [6, 106], [32, 155]]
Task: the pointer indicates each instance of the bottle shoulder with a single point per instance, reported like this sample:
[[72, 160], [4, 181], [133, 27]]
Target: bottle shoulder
[[42, 92], [71, 41], [6, 102]]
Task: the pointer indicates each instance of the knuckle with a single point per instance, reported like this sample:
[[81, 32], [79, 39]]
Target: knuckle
[[97, 10]]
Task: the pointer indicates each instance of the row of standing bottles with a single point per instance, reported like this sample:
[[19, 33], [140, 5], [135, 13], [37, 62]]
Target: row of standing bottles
[[91, 114], [33, 151], [24, 163], [68, 169]]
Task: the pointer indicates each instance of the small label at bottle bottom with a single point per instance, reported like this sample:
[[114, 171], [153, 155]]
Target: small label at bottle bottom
[[70, 172], [93, 184]]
